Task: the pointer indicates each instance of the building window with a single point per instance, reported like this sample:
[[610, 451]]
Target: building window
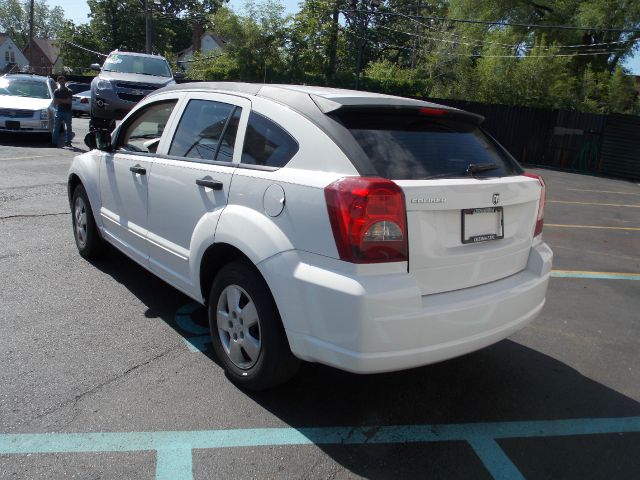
[[13, 56], [6, 56]]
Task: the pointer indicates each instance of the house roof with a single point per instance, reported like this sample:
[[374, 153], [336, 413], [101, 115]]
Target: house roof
[[48, 47], [218, 39]]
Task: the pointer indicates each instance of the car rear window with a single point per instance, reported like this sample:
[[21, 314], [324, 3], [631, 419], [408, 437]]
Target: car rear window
[[410, 146]]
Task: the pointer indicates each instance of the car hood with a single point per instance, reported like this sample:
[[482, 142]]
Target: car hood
[[24, 103], [137, 78]]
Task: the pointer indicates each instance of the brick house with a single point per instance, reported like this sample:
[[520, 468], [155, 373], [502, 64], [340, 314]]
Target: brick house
[[45, 56]]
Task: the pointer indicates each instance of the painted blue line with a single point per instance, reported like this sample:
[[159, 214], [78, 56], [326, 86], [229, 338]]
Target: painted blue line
[[188, 309], [174, 463], [602, 276], [197, 344], [137, 441], [494, 459]]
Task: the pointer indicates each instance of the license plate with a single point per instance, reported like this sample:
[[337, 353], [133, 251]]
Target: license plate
[[13, 125], [482, 224]]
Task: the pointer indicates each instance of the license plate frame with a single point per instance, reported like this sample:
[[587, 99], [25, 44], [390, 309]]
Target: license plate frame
[[483, 237]]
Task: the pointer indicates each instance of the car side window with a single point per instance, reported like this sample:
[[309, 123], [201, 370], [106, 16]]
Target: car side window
[[143, 133], [266, 143], [206, 131]]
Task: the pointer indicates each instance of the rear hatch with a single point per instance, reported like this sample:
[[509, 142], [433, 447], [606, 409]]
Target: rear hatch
[[470, 213]]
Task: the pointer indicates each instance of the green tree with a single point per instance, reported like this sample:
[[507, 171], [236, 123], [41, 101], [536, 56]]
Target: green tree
[[622, 96], [14, 20], [256, 45]]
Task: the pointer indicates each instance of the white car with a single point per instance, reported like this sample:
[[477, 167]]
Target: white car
[[81, 103], [26, 104], [367, 232]]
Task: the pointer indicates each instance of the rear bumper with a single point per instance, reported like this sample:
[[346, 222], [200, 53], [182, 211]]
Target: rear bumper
[[380, 323]]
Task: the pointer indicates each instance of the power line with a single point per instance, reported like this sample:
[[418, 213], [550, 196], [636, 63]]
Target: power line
[[85, 49], [498, 23], [489, 42], [455, 54], [480, 43]]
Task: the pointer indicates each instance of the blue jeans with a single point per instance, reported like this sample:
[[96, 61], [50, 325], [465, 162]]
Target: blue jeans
[[61, 116]]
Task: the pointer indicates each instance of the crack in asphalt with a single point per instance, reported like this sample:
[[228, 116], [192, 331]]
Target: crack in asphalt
[[79, 397], [34, 215]]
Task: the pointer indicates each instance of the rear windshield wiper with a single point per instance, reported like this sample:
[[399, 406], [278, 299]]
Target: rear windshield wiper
[[480, 167]]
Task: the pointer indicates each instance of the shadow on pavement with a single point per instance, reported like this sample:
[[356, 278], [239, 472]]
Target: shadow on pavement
[[502, 383]]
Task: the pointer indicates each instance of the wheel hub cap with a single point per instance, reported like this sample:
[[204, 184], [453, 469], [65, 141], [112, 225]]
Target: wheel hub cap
[[80, 221], [239, 327]]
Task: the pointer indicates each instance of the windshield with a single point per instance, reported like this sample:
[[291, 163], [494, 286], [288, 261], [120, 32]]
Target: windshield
[[406, 146], [135, 64], [23, 87]]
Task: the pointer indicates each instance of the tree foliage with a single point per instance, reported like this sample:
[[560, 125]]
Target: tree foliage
[[48, 22], [403, 47], [120, 24]]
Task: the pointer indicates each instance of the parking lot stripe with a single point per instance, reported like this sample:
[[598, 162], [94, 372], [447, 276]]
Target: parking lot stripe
[[174, 463], [494, 459], [594, 203], [596, 275], [558, 225], [601, 191], [27, 158], [174, 448]]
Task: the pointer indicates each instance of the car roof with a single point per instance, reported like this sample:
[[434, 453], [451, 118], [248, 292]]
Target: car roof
[[135, 54], [318, 104], [327, 99]]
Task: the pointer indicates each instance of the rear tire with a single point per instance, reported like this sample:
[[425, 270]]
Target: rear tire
[[85, 231], [246, 329]]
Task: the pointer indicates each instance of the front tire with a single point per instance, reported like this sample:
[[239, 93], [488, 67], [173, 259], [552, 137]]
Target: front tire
[[246, 329], [85, 231]]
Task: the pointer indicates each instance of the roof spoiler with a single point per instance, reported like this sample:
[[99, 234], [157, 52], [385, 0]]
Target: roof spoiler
[[386, 103]]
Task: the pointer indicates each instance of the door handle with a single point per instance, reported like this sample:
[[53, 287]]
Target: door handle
[[210, 183], [138, 169]]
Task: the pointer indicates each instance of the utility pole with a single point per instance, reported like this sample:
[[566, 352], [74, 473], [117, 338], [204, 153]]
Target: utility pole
[[147, 19], [362, 41], [31, 34], [415, 37]]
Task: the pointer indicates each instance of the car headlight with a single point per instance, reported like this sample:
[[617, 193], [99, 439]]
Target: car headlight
[[44, 114], [104, 85]]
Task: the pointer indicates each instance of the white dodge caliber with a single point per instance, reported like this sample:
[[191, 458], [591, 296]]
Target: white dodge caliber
[[368, 232]]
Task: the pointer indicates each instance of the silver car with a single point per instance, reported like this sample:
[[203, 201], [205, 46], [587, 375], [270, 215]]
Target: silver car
[[26, 103], [125, 78], [80, 103]]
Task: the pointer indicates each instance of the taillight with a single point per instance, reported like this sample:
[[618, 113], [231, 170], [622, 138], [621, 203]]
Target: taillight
[[368, 219], [543, 194]]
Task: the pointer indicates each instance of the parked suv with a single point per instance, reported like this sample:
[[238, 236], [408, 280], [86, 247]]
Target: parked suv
[[125, 78], [368, 232]]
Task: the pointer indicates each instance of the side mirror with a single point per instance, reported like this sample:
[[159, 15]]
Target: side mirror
[[95, 66], [179, 75], [100, 139]]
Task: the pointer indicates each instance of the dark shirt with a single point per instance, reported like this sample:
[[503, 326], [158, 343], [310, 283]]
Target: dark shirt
[[63, 93]]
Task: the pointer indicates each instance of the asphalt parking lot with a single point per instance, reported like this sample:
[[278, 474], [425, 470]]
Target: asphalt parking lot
[[106, 372]]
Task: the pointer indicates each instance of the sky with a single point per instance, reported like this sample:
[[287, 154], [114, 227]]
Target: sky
[[78, 11]]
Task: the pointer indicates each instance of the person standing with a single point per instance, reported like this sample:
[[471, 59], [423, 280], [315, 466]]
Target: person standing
[[62, 102]]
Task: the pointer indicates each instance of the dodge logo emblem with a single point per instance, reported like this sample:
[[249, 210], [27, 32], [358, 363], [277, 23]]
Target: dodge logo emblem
[[496, 198]]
